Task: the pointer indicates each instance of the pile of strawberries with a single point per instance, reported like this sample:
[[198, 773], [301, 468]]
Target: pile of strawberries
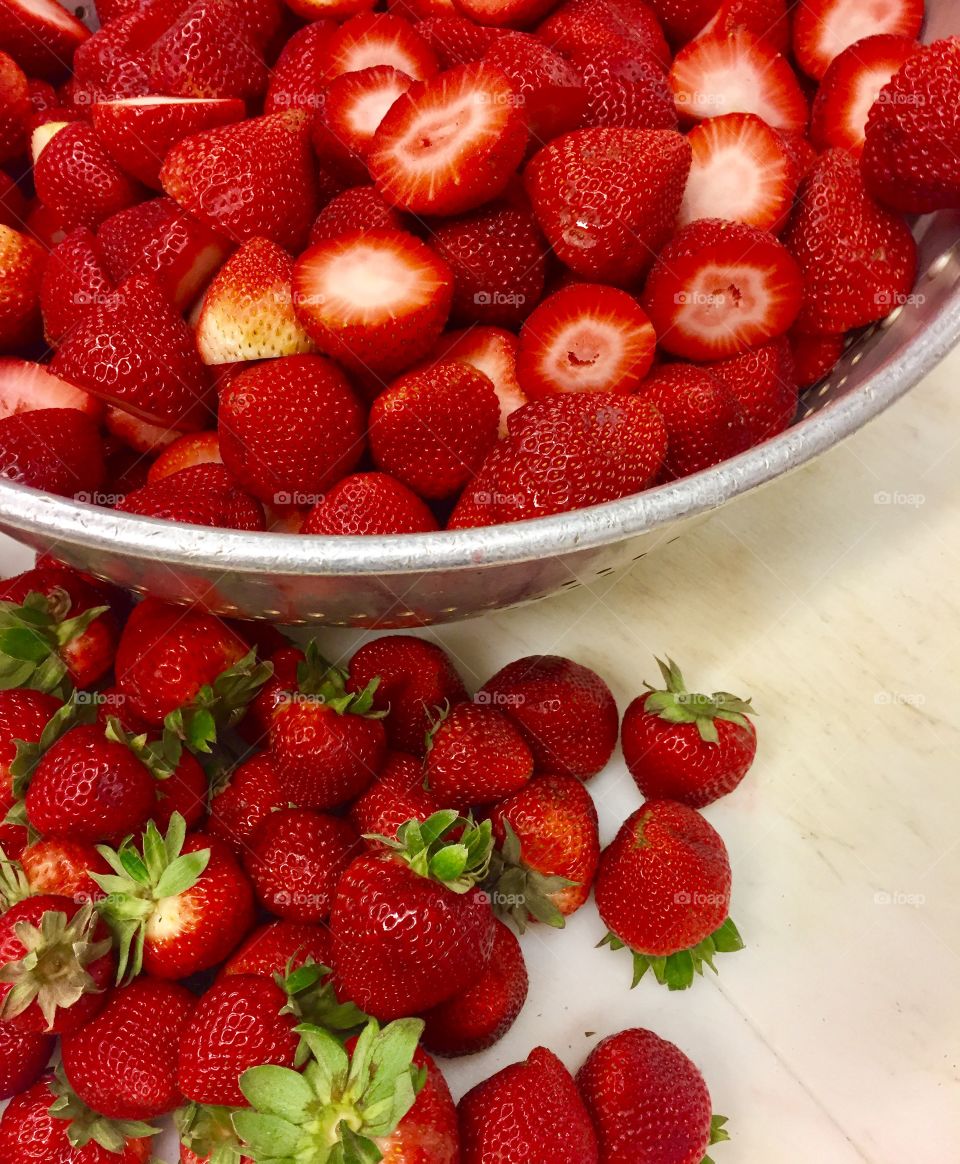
[[311, 267], [259, 892]]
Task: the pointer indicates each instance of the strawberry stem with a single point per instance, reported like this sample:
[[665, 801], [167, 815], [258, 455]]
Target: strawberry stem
[[521, 894], [675, 704], [446, 847], [677, 971], [32, 635]]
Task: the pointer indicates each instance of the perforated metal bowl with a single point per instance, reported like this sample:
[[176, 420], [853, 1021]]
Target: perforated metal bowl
[[428, 578]]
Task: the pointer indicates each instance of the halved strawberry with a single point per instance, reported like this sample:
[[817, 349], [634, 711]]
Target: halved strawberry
[[850, 88], [135, 433], [505, 13], [455, 39], [451, 143], [585, 338], [209, 52], [377, 301], [549, 87], [719, 288], [25, 387], [822, 29], [22, 261], [14, 108], [351, 111], [76, 177], [737, 73], [490, 350], [741, 171], [329, 9], [75, 279], [187, 451], [137, 132], [379, 38], [767, 19], [41, 36], [357, 208]]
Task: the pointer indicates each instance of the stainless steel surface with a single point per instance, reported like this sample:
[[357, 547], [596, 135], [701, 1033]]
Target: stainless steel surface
[[405, 581]]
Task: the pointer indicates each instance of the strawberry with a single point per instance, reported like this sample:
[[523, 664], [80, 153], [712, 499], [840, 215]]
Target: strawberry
[[370, 504], [137, 132], [909, 157], [850, 88], [374, 300], [501, 13], [450, 143], [254, 178], [185, 790], [357, 208], [586, 30], [456, 40], [256, 723], [547, 851], [177, 905], [77, 179], [299, 76], [390, 970], [62, 868], [479, 1017], [290, 428], [432, 428], [691, 748], [648, 1101], [23, 1056], [814, 356], [57, 964], [476, 755], [497, 256], [134, 351], [718, 288], [23, 716], [549, 88], [567, 712], [764, 383], [627, 92], [737, 73], [41, 37], [14, 108], [859, 261], [396, 796], [251, 795], [28, 387], [22, 263], [57, 450], [490, 350], [186, 452], [207, 1135], [239, 1023], [585, 338], [370, 39], [274, 947], [607, 199], [209, 52], [824, 28], [767, 19], [108, 66], [415, 677], [680, 918], [124, 1062], [705, 424], [202, 495], [136, 434], [742, 171], [328, 743], [352, 107], [74, 280], [529, 1111]]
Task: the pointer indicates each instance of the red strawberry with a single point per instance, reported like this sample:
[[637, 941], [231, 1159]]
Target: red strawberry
[[358, 208], [28, 387], [432, 428], [586, 30], [767, 19], [78, 180], [41, 37], [858, 260], [850, 88], [256, 724], [55, 449], [255, 178], [476, 755], [479, 1017], [299, 76], [680, 918], [822, 29], [396, 796], [585, 338], [23, 1057], [737, 73], [186, 452], [742, 171], [490, 350], [509, 13], [691, 748], [273, 947], [202, 495], [239, 1023], [177, 905], [567, 711], [252, 794], [547, 850], [350, 112], [185, 791], [705, 424], [22, 263], [764, 383], [134, 351], [456, 40], [549, 88], [415, 677], [14, 109], [209, 52], [390, 969], [206, 1134], [529, 1111], [124, 1062], [108, 66], [909, 159], [718, 288], [648, 1101], [814, 356], [370, 504], [627, 92], [379, 38], [374, 300], [75, 279], [23, 716], [328, 743], [607, 199], [289, 429], [450, 143]]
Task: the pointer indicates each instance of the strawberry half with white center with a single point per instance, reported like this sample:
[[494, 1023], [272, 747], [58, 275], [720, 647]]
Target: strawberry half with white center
[[28, 387], [370, 503], [741, 171], [450, 143], [22, 262], [585, 338], [737, 73], [352, 109], [493, 351], [719, 288], [822, 29], [41, 35], [379, 38], [376, 301]]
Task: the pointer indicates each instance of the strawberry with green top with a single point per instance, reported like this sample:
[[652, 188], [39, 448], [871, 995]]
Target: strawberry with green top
[[411, 926], [24, 714], [207, 1135]]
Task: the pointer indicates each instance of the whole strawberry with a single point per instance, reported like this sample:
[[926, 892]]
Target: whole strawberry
[[273, 948], [687, 747], [253, 792], [663, 891], [396, 796], [23, 716], [63, 868], [648, 1101], [411, 928], [23, 1056], [477, 755]]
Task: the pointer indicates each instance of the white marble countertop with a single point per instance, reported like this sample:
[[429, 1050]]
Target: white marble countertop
[[832, 598]]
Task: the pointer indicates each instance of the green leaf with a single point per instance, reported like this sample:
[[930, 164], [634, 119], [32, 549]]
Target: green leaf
[[449, 863], [727, 938], [182, 874], [357, 1149], [24, 645], [277, 1091], [268, 1136]]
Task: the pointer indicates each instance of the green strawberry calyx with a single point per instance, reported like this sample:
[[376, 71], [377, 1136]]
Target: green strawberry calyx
[[718, 1133], [219, 705], [313, 1000], [88, 1126], [326, 684], [208, 1133], [141, 878], [518, 892], [341, 1104], [162, 756], [445, 847], [14, 886], [32, 635], [52, 972], [677, 971], [675, 704]]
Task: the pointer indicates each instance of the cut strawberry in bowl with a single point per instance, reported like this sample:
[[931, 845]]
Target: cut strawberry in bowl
[[822, 29], [353, 106], [26, 386], [41, 35], [493, 351], [371, 39], [505, 13]]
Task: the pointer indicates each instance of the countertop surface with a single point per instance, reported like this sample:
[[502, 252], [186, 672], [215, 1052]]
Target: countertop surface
[[832, 599]]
